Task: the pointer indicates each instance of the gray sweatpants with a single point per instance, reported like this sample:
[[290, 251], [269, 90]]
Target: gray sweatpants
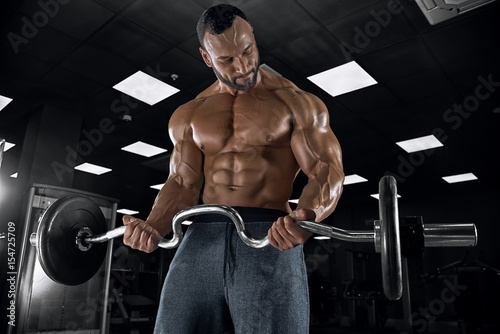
[[217, 284]]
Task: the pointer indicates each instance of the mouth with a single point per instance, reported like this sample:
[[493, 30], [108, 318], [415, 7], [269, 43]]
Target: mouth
[[245, 76]]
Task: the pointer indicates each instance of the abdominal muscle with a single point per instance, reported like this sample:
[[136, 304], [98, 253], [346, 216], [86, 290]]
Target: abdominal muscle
[[259, 177]]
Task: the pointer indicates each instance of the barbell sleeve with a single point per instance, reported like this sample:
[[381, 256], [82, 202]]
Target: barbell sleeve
[[450, 235]]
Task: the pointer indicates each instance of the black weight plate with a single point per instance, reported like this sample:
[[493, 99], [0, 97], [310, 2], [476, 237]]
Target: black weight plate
[[390, 247], [58, 253]]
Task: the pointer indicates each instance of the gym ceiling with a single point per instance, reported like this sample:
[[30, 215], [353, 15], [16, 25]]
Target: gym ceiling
[[441, 79]]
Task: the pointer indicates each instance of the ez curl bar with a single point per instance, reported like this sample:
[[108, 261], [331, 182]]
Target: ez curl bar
[[72, 231]]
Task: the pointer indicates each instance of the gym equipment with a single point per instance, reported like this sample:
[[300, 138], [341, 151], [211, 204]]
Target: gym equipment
[[63, 253], [73, 228]]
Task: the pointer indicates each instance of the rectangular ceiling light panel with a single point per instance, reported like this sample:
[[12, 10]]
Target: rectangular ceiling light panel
[[343, 79], [92, 169], [145, 88], [419, 144], [8, 146], [460, 178], [127, 212], [354, 178], [146, 150], [4, 101], [157, 186]]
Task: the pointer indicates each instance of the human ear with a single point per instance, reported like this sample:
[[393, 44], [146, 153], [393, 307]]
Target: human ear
[[206, 57]]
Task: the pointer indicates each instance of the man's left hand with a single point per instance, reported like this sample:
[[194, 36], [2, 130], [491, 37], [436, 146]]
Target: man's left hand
[[286, 234]]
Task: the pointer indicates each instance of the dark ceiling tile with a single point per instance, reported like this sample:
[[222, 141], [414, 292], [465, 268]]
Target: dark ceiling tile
[[115, 102], [155, 120], [201, 86], [350, 125], [466, 73], [11, 87], [432, 108], [115, 5], [70, 83], [280, 22], [21, 66], [98, 65], [125, 39], [286, 71], [48, 43], [168, 106], [189, 70], [6, 23], [371, 29], [310, 54], [329, 11], [397, 115], [465, 37], [400, 59], [367, 99], [174, 21], [419, 84], [51, 45], [191, 46], [79, 19]]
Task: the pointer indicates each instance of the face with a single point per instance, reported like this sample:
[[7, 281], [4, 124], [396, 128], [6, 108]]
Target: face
[[233, 55]]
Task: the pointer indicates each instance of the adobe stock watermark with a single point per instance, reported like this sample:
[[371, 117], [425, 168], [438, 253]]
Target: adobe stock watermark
[[372, 29], [31, 26], [454, 117], [92, 138], [421, 318]]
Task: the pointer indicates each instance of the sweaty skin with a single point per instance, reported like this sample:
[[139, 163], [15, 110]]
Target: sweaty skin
[[246, 137]]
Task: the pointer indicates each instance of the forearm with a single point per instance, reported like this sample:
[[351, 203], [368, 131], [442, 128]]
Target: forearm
[[171, 199], [323, 191]]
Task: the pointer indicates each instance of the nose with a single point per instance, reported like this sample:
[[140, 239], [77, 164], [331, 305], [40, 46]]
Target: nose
[[241, 66]]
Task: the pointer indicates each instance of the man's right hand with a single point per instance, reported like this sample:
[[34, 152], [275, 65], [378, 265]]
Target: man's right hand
[[139, 234]]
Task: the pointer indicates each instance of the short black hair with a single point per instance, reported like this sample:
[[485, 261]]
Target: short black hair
[[217, 19]]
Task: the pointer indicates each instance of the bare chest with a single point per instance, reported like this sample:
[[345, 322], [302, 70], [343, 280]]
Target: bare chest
[[227, 123]]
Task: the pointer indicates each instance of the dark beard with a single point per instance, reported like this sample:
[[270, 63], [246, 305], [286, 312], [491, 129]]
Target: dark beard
[[236, 85]]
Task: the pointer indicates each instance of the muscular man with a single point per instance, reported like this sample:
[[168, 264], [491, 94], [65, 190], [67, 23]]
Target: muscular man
[[243, 140]]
